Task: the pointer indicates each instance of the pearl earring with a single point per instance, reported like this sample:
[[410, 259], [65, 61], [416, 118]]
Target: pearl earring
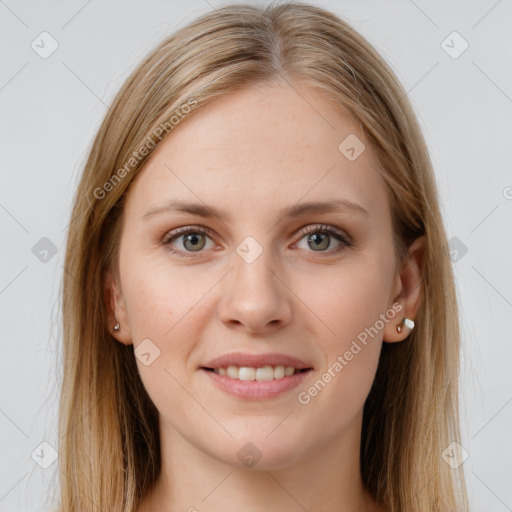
[[408, 323], [117, 327]]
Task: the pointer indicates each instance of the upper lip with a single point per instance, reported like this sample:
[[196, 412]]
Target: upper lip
[[256, 361]]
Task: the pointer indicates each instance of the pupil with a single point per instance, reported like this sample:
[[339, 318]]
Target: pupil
[[318, 239], [195, 240]]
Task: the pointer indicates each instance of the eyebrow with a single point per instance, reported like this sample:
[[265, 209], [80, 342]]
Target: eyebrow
[[297, 210]]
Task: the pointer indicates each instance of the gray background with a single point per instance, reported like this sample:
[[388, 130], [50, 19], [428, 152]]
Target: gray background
[[51, 108]]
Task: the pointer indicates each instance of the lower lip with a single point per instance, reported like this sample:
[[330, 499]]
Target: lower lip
[[255, 389]]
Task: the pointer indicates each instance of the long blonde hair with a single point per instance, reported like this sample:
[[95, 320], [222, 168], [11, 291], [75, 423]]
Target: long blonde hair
[[109, 452]]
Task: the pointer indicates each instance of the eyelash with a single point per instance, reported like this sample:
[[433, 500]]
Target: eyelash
[[318, 228]]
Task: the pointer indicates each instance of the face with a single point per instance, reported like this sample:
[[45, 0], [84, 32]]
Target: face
[[251, 270]]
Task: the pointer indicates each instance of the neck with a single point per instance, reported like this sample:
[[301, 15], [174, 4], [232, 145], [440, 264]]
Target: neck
[[325, 478]]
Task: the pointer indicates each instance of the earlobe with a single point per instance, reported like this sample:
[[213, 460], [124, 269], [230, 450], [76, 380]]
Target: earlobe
[[115, 316], [402, 330], [410, 293], [407, 323]]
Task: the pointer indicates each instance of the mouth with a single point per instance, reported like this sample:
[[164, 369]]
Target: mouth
[[263, 373], [256, 383], [256, 376]]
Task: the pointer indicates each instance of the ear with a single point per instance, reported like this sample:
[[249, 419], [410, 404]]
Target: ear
[[116, 310], [408, 291]]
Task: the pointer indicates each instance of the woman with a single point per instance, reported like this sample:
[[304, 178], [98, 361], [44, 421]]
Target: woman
[[258, 309]]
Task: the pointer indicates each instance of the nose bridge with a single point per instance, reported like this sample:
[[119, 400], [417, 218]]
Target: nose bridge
[[253, 264], [253, 295]]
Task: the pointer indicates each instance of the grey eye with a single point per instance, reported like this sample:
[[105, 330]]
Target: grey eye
[[194, 241], [319, 241]]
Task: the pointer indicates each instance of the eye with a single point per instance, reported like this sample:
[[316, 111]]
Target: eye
[[193, 240], [319, 238]]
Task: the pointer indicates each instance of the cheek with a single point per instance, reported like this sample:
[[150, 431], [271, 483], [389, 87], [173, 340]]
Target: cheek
[[152, 308], [348, 300], [160, 299], [162, 306], [351, 303], [167, 306]]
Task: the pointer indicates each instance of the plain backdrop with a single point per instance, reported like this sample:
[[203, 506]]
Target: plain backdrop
[[52, 105]]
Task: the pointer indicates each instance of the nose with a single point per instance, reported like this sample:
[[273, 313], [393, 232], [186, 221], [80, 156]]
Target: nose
[[254, 297]]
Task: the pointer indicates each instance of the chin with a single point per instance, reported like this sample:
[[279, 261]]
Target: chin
[[256, 452]]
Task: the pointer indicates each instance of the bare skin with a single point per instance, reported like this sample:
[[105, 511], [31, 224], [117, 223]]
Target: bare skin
[[251, 154]]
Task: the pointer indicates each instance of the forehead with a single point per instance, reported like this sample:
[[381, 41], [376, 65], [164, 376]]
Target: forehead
[[272, 144]]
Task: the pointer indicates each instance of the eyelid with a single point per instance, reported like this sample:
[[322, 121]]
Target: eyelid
[[339, 234], [175, 233], [326, 228]]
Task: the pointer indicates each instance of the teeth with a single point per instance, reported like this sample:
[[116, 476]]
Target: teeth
[[232, 372], [279, 372], [261, 374]]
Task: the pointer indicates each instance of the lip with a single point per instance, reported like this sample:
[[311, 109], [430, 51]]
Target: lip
[[256, 361], [254, 389]]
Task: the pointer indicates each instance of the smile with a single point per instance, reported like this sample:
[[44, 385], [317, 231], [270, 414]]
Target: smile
[[246, 383], [263, 373]]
